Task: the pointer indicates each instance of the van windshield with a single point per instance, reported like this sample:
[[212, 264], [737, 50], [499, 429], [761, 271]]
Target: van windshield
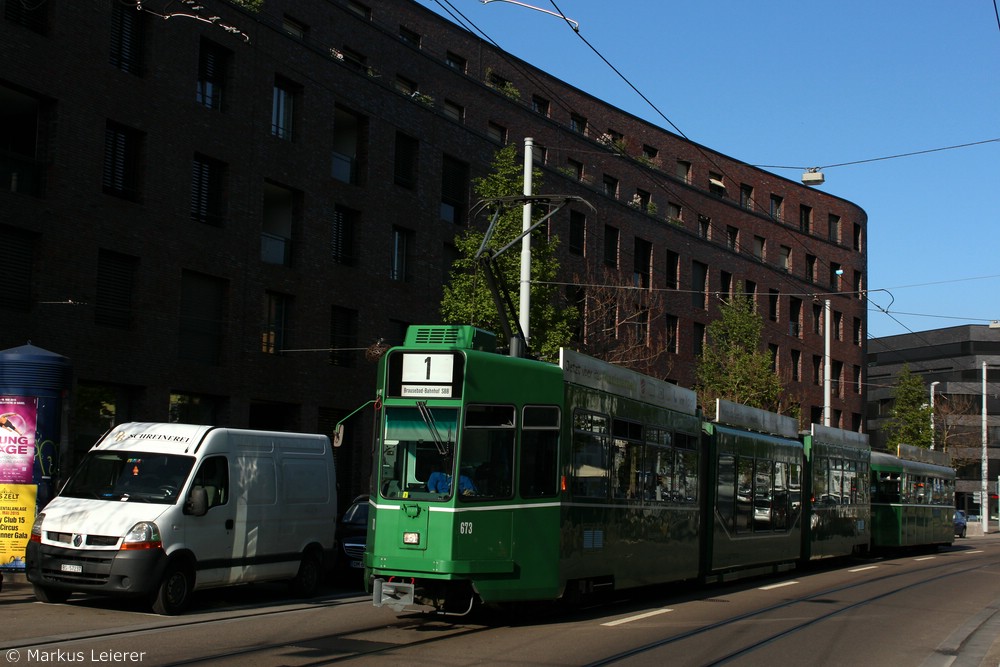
[[130, 476]]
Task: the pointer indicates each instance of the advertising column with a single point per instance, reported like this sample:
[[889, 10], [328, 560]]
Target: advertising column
[[33, 387]]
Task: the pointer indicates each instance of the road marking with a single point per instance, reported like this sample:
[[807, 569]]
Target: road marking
[[925, 558], [866, 567], [977, 551], [639, 617], [773, 586]]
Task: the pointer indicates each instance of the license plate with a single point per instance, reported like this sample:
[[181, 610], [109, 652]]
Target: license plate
[[357, 564], [66, 567]]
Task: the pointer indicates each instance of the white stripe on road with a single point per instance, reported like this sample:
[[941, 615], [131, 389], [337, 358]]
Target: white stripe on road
[[781, 585], [639, 617]]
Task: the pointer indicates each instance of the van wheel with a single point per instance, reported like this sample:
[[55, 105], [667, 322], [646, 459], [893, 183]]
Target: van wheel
[[174, 593], [306, 581], [50, 595]]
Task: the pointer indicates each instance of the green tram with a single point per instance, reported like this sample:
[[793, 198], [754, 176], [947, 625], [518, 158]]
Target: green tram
[[913, 500], [499, 479]]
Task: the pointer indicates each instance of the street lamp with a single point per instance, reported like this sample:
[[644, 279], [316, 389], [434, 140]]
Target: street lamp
[[984, 504], [933, 384]]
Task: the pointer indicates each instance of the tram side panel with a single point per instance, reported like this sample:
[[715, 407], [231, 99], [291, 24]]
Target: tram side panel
[[754, 503], [630, 504], [836, 499]]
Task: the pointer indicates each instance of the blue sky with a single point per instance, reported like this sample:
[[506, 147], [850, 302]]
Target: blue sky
[[806, 84]]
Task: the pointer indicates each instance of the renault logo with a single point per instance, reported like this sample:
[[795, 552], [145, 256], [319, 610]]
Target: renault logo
[[77, 540]]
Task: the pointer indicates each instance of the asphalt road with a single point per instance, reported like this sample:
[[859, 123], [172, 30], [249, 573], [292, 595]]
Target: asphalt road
[[937, 609]]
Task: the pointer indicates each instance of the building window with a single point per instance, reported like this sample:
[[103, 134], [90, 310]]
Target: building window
[[455, 61], [704, 227], [672, 272], [795, 317], [539, 154], [746, 197], [649, 153], [203, 318], [733, 238], [611, 236], [578, 123], [122, 161], [355, 59], [698, 333], [343, 336], [540, 105], [796, 366], [402, 239], [409, 36], [759, 244], [674, 212], [643, 201], [785, 260], [683, 171], [454, 190], [283, 108], [811, 268], [362, 10], [115, 288], [575, 169], [273, 336], [454, 111], [208, 182], [406, 160], [127, 26], [857, 237], [577, 232], [281, 212], [777, 204], [342, 228], [858, 337], [716, 185], [349, 131], [833, 224], [294, 27], [699, 285], [497, 133], [213, 66], [726, 284], [835, 273], [772, 304], [805, 219], [671, 325], [642, 265], [15, 279], [406, 86], [610, 186]]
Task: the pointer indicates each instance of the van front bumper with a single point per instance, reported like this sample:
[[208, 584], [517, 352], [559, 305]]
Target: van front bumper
[[104, 572]]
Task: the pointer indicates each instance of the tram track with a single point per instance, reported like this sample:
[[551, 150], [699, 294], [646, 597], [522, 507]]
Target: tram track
[[762, 613]]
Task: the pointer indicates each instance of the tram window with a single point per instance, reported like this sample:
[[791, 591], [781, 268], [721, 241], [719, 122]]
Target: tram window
[[763, 481], [794, 492], [724, 500], [487, 451], [744, 494], [686, 477], [625, 458], [781, 497], [657, 475], [539, 458], [590, 455], [851, 482], [414, 443]]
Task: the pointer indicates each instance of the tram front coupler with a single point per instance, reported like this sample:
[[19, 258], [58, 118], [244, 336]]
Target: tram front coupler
[[396, 595]]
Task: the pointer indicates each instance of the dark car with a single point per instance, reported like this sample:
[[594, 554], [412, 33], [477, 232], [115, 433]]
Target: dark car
[[960, 522], [352, 533]]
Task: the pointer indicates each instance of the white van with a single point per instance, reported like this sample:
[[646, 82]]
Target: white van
[[161, 510]]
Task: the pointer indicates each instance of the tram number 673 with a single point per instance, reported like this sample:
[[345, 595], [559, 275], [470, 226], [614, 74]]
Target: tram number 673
[[465, 528]]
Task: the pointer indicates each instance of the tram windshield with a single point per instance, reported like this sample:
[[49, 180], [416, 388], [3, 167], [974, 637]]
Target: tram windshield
[[417, 458]]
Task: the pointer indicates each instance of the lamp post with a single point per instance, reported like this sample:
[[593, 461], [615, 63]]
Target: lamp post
[[984, 504], [933, 384], [573, 24]]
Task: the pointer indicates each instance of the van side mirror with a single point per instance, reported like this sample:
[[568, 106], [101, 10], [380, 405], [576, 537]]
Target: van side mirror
[[197, 501]]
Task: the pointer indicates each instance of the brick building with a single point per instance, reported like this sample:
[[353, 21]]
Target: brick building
[[213, 215]]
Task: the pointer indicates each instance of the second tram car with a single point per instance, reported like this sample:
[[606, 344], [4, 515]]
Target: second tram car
[[499, 479], [913, 501]]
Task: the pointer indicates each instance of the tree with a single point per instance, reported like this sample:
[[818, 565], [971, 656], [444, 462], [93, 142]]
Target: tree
[[734, 366], [618, 322], [467, 299], [910, 418]]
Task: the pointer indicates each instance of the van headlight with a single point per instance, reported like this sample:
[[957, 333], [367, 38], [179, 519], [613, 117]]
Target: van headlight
[[143, 535], [36, 528]]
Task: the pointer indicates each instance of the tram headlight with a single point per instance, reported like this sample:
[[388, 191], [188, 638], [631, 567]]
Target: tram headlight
[[411, 538]]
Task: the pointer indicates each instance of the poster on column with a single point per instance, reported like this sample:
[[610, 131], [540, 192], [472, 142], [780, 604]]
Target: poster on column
[[17, 513], [18, 417]]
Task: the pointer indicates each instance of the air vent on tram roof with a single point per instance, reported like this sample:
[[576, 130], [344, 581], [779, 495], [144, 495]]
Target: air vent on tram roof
[[464, 337]]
